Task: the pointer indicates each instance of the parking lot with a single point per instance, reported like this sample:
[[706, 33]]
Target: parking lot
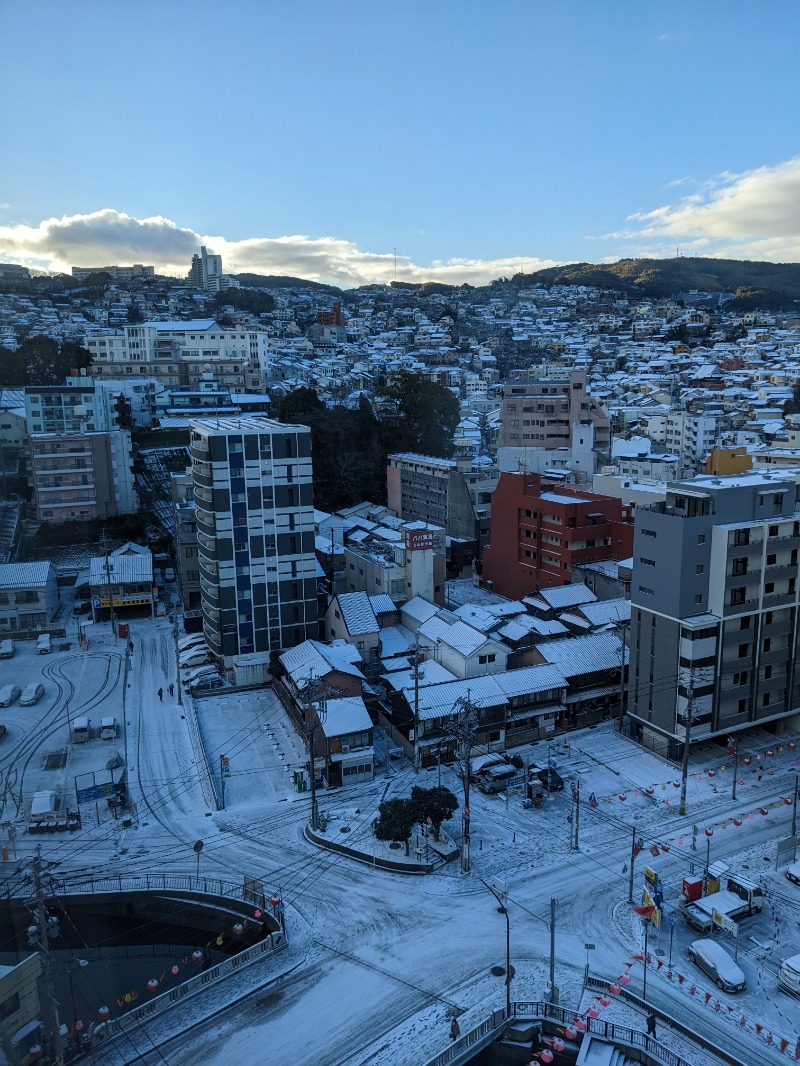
[[36, 752]]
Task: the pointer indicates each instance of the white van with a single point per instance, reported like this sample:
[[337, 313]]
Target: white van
[[43, 645], [194, 657], [717, 963], [108, 728], [191, 640], [81, 730], [789, 975]]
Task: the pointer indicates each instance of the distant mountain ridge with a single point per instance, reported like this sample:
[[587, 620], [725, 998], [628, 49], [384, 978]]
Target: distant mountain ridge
[[770, 286]]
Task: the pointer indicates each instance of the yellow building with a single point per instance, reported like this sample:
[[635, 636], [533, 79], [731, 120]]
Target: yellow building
[[729, 461]]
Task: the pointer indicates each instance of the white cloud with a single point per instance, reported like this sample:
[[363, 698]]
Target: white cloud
[[108, 236], [753, 215]]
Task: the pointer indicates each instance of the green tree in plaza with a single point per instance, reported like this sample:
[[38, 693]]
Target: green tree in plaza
[[396, 819], [437, 804], [426, 415]]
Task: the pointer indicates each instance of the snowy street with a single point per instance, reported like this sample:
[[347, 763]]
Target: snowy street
[[376, 957]]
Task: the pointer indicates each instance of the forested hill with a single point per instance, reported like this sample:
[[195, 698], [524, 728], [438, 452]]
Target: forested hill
[[754, 284]]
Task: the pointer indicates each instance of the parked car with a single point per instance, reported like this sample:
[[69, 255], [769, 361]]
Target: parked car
[[169, 574], [43, 644], [32, 694], [714, 960], [793, 872], [7, 648], [8, 694], [550, 778], [205, 684], [82, 607]]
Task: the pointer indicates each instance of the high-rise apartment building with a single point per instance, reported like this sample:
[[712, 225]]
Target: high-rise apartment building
[[542, 414], [206, 271], [714, 624], [254, 511]]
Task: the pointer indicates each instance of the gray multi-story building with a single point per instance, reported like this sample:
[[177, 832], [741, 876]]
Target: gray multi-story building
[[714, 621], [254, 511]]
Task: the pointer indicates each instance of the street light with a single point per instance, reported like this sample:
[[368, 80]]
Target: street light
[[503, 909]]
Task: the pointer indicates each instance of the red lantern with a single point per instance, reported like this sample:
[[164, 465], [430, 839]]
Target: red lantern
[[175, 970], [274, 901], [625, 979], [649, 791], [669, 975], [709, 832], [748, 760], [78, 1025], [762, 810], [152, 985], [614, 989], [257, 912], [623, 798], [711, 773], [676, 784], [238, 929], [604, 1001], [197, 955], [546, 1055], [716, 1005], [786, 800], [707, 996], [593, 1012], [693, 990], [791, 745], [557, 1044], [580, 1025], [742, 1022], [571, 1032], [104, 1014], [770, 754]]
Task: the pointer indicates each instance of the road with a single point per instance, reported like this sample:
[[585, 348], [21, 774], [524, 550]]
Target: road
[[378, 956]]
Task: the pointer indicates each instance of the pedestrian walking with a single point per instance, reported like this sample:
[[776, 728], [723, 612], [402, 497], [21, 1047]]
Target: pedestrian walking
[[171, 689], [651, 1025], [455, 1029], [161, 694], [760, 773]]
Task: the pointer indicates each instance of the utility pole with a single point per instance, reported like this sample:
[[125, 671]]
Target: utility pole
[[686, 742], [44, 929], [553, 989], [576, 799], [635, 849], [733, 743], [794, 813], [107, 568]]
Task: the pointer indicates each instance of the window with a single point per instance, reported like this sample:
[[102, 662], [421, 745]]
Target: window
[[765, 699], [767, 644], [741, 677], [739, 567], [744, 651], [741, 537], [741, 709], [772, 559], [769, 588], [737, 596], [744, 623], [645, 591], [699, 569], [646, 562], [767, 673], [698, 597], [701, 538], [768, 618]]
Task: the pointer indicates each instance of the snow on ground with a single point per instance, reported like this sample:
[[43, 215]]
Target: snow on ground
[[377, 958]]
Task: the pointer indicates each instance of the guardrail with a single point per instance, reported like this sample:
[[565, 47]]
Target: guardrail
[[158, 1004], [538, 1010], [209, 784], [199, 886]]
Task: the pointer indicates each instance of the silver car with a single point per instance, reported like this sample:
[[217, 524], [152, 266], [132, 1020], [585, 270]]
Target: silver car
[[32, 694]]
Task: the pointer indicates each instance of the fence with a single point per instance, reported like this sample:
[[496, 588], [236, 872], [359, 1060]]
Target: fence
[[212, 788]]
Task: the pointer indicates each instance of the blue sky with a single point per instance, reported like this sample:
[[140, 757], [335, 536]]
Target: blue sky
[[476, 138]]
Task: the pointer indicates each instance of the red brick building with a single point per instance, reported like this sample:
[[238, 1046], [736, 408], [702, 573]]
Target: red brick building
[[542, 528]]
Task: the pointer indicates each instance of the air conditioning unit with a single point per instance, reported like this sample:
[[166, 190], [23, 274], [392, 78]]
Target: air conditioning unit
[[345, 748]]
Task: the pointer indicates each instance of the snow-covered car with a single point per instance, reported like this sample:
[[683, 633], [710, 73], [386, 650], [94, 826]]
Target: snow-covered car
[[32, 694], [714, 960], [8, 694], [793, 872]]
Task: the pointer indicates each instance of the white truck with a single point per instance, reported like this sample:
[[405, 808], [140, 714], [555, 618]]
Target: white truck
[[108, 728], [738, 899]]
